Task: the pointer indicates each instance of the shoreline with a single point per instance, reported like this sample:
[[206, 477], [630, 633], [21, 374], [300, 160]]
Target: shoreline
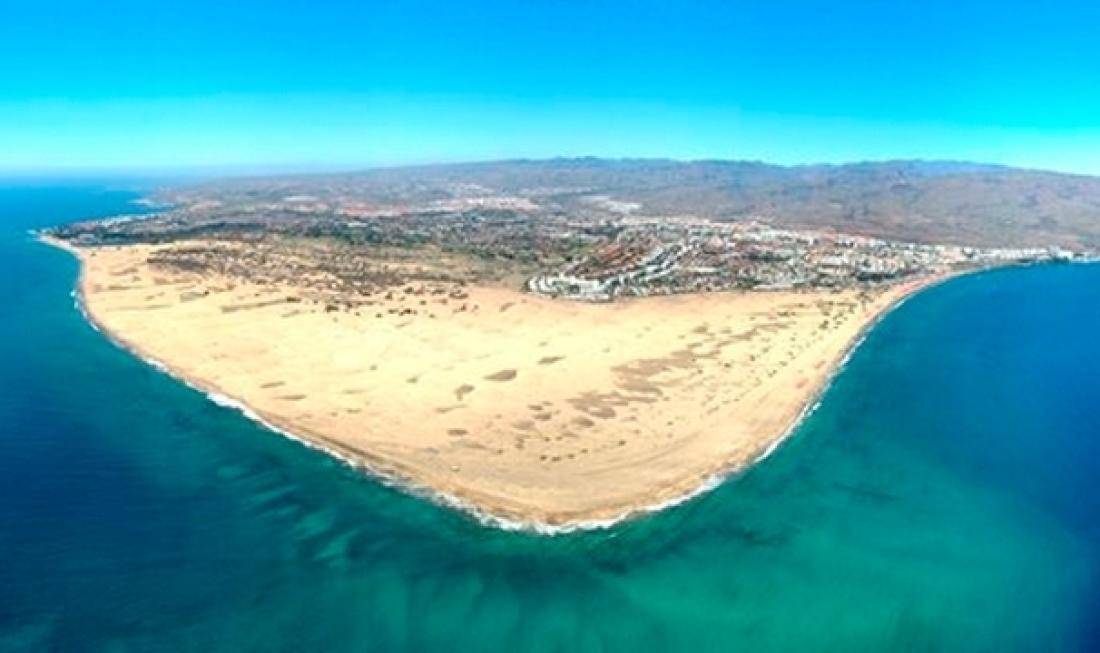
[[392, 474]]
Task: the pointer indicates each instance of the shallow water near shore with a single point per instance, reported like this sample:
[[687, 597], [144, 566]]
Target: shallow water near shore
[[943, 497]]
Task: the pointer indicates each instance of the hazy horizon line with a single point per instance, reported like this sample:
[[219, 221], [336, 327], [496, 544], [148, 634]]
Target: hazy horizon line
[[156, 172]]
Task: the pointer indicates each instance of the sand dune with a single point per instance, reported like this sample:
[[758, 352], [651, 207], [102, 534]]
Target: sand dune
[[528, 408]]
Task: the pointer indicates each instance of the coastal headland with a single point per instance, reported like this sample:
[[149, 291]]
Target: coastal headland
[[528, 409]]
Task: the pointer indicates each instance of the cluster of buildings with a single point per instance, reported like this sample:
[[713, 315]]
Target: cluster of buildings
[[656, 264], [691, 255], [575, 254]]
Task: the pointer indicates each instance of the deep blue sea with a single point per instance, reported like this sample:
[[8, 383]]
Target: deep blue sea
[[944, 497]]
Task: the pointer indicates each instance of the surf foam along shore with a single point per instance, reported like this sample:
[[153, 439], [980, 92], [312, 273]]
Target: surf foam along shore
[[655, 389], [405, 485]]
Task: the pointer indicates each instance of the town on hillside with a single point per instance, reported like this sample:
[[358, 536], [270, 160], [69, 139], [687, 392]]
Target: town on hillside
[[565, 242]]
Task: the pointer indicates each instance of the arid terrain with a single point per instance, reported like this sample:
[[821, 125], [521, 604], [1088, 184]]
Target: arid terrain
[[940, 202], [530, 409]]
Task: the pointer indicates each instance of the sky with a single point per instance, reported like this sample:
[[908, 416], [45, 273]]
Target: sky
[[250, 85]]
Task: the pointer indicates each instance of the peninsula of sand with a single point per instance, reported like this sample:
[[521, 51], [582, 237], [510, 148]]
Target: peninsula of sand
[[527, 409]]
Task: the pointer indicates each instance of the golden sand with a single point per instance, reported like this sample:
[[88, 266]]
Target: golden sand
[[529, 409]]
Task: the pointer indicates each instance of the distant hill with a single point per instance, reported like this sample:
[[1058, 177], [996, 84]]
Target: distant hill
[[925, 201]]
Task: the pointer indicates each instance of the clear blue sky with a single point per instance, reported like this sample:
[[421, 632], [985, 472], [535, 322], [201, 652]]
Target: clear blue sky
[[335, 83]]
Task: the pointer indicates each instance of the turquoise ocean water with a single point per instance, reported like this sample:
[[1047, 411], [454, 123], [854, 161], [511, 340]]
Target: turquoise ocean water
[[944, 497]]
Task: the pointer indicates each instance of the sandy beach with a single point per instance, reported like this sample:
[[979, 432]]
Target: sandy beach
[[527, 409]]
